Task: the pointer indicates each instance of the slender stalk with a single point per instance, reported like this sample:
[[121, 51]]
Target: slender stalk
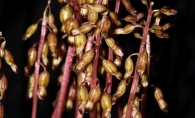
[[144, 95], [66, 72], [65, 80], [37, 64], [136, 77], [37, 67]]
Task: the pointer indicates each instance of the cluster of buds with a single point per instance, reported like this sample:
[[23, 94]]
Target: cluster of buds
[[7, 56], [88, 39], [57, 51]]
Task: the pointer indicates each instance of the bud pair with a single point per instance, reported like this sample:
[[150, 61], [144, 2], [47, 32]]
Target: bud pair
[[94, 96]]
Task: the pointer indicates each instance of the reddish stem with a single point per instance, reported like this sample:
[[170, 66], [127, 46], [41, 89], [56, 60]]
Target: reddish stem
[[65, 80], [136, 77], [37, 67], [144, 95]]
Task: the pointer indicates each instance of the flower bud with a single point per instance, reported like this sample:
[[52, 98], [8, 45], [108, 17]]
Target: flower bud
[[52, 43], [81, 2], [126, 30], [124, 111], [83, 12], [70, 24], [42, 93], [129, 67], [30, 86], [70, 40], [82, 93], [111, 68], [92, 17], [136, 102], [30, 31], [94, 94], [80, 41], [129, 7], [161, 34], [61, 48], [167, 11], [32, 56], [44, 78], [98, 8], [82, 96], [85, 59], [116, 49], [65, 13], [90, 1], [44, 54], [10, 61], [106, 104], [120, 91], [118, 61], [69, 105], [105, 27], [3, 84], [114, 18], [142, 61], [88, 72], [159, 98], [50, 21], [144, 79]]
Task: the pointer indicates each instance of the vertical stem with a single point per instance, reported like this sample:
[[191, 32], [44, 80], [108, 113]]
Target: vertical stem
[[37, 67], [136, 77], [144, 95], [65, 81]]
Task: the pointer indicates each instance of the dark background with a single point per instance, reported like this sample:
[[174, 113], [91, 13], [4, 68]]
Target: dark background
[[176, 67]]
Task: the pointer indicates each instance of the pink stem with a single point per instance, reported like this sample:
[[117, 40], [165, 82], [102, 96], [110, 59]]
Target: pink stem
[[144, 95], [136, 77], [37, 67], [65, 80]]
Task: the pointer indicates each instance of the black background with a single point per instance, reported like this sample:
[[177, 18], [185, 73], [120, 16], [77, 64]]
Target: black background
[[176, 67]]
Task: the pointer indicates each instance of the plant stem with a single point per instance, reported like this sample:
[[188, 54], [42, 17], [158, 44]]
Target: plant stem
[[136, 77], [37, 67], [65, 80], [144, 95]]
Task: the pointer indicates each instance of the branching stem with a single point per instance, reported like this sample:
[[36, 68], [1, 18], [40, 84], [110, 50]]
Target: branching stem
[[136, 77]]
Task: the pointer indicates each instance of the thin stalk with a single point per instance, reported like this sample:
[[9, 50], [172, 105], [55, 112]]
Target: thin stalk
[[144, 95], [37, 64], [66, 72], [65, 80], [136, 77]]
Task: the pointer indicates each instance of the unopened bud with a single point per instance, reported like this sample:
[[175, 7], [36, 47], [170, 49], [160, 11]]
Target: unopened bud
[[32, 56], [92, 17], [106, 104], [142, 61], [120, 91], [65, 13], [70, 24], [42, 93], [52, 43], [30, 31], [129, 67], [129, 7], [44, 78], [114, 18]]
